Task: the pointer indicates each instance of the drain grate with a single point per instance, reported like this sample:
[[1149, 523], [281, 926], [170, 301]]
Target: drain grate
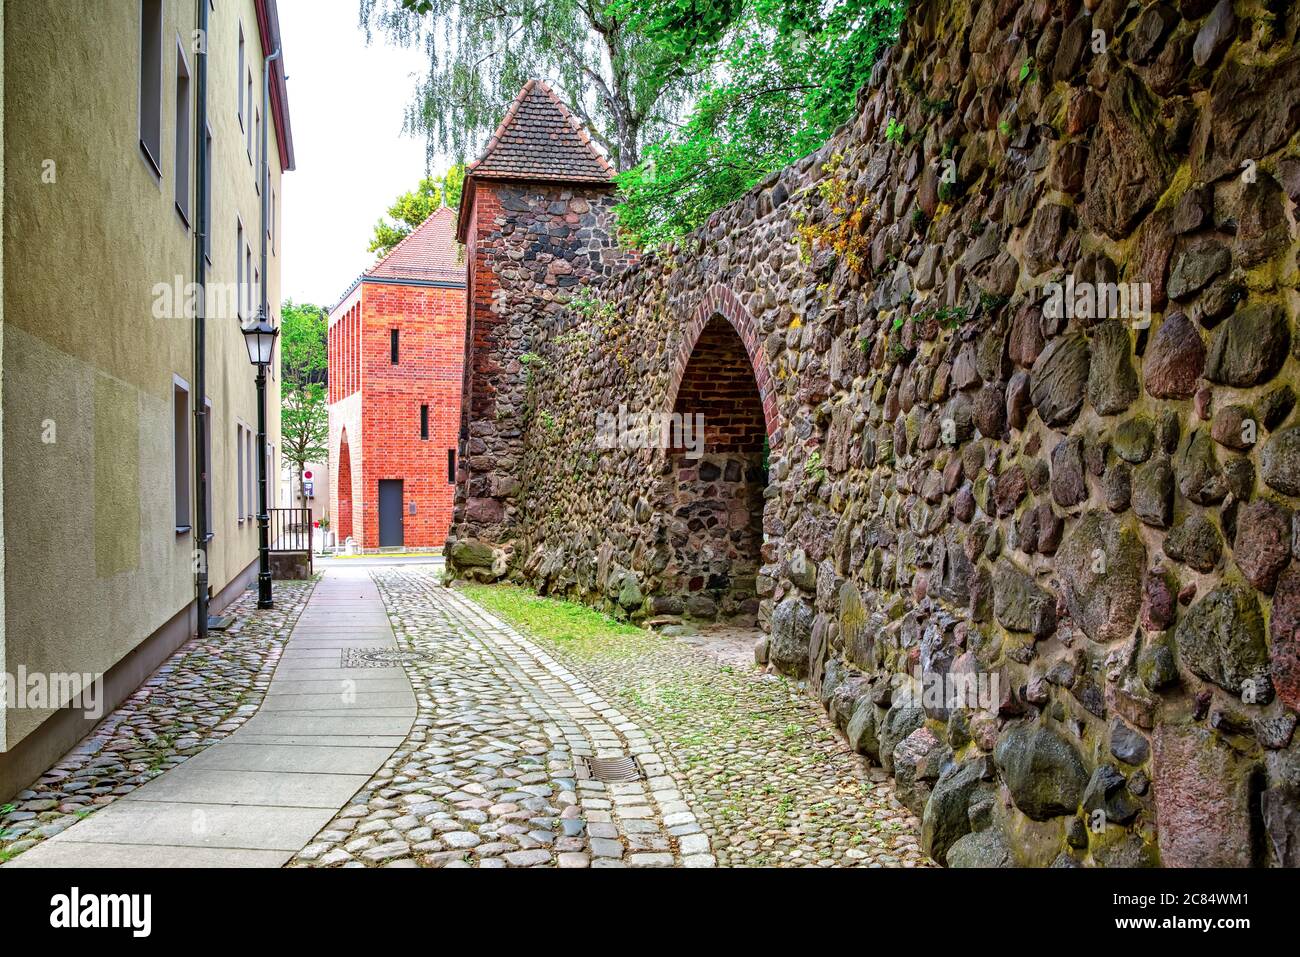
[[379, 657], [624, 767]]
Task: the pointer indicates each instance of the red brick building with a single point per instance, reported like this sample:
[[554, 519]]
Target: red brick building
[[396, 341]]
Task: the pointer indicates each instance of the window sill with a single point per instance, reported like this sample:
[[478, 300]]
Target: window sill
[[182, 529], [185, 219], [152, 163]]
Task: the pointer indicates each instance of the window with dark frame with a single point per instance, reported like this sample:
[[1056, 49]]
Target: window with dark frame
[[241, 485], [207, 197], [207, 457], [151, 59], [182, 171], [451, 466], [392, 346], [181, 453], [239, 76], [424, 421]]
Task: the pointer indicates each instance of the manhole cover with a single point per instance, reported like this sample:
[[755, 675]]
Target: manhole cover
[[624, 767], [379, 657]]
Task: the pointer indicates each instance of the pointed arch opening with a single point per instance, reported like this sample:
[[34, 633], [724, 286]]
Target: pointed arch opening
[[718, 481], [343, 482]]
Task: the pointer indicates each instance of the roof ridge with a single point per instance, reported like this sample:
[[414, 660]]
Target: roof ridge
[[566, 115], [403, 241]]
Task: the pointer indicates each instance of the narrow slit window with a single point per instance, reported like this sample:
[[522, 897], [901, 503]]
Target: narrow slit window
[[451, 466], [393, 337], [424, 421]]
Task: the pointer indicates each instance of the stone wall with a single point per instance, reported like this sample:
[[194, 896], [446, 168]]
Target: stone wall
[[1023, 334]]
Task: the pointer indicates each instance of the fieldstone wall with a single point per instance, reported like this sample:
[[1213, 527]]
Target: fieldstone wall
[[1024, 338]]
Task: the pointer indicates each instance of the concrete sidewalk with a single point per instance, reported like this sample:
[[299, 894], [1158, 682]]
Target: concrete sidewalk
[[252, 800]]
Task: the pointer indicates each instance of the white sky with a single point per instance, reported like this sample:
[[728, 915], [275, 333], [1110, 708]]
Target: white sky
[[346, 103]]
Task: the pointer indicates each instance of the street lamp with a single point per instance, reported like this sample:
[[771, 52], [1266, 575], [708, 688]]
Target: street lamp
[[259, 337]]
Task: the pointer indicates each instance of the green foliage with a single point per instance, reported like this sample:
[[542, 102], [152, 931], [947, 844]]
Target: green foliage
[[950, 317], [789, 72], [895, 132], [591, 306], [575, 626], [813, 467], [625, 83], [415, 206], [304, 365], [992, 302]]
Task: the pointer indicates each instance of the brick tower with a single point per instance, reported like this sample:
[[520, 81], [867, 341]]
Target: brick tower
[[536, 218]]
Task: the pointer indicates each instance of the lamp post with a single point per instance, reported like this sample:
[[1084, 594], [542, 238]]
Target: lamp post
[[259, 337]]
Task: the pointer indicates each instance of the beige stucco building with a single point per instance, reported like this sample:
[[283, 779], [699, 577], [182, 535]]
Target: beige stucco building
[[99, 352]]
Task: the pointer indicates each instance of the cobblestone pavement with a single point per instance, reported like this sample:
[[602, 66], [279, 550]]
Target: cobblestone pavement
[[489, 776], [741, 768], [201, 694], [772, 782]]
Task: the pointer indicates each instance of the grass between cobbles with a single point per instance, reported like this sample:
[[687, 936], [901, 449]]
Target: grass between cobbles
[[763, 764], [578, 628]]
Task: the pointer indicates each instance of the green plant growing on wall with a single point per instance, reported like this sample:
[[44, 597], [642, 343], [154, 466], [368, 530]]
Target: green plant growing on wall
[[813, 467], [992, 301], [950, 317], [842, 231], [532, 363], [895, 132], [1027, 71]]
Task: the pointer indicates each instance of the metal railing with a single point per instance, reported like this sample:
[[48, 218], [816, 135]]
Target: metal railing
[[291, 530]]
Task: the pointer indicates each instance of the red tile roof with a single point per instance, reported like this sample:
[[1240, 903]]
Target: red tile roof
[[539, 139], [428, 253]]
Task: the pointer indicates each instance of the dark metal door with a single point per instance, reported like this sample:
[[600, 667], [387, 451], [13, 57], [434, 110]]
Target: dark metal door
[[390, 513]]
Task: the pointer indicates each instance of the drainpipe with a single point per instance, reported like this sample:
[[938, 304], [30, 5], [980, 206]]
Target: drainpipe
[[201, 227], [264, 596]]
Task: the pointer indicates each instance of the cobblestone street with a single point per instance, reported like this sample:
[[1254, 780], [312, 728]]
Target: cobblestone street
[[740, 768], [501, 766]]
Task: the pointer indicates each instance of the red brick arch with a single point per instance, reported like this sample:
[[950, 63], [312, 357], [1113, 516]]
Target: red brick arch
[[343, 489], [721, 301]]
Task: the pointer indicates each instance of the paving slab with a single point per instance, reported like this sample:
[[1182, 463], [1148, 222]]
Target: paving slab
[[327, 725], [193, 824], [161, 856], [198, 785], [317, 759], [355, 700]]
